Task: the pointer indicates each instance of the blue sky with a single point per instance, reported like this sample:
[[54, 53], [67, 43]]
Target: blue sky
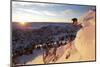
[[44, 12]]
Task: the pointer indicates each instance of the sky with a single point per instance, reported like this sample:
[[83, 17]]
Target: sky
[[46, 12]]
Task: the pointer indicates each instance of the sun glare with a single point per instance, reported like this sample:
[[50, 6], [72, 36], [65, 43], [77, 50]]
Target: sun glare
[[22, 23]]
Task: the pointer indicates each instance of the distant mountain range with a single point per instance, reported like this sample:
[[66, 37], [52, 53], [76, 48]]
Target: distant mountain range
[[25, 35]]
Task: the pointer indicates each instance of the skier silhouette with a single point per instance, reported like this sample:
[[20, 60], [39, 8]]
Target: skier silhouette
[[76, 23]]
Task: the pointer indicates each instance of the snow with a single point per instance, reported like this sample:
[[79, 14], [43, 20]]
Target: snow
[[37, 54], [62, 52], [85, 39], [81, 49]]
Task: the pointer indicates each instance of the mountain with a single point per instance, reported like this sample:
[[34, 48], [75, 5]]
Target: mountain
[[85, 38]]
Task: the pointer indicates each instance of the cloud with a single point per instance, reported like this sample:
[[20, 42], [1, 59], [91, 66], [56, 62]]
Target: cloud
[[36, 12], [34, 8], [30, 11], [25, 11], [68, 11], [20, 17], [49, 13], [31, 4]]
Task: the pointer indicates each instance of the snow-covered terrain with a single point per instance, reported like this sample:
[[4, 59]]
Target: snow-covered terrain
[[81, 48], [85, 39]]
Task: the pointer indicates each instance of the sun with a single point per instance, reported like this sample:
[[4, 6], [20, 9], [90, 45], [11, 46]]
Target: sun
[[23, 23]]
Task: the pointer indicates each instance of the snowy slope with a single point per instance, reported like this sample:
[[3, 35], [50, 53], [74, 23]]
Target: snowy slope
[[82, 49], [85, 39]]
